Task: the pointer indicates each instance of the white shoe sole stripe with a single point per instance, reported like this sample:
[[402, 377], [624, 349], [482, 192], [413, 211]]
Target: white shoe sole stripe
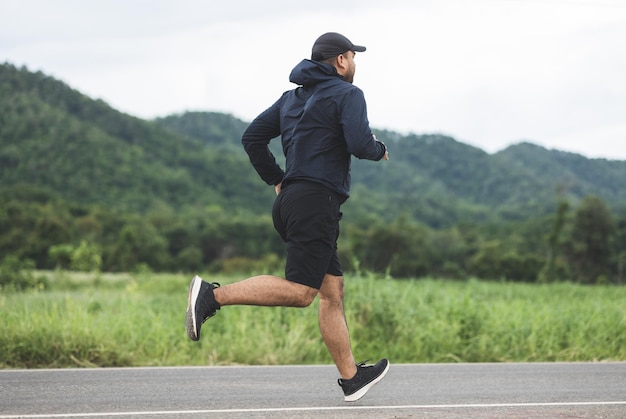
[[195, 291], [356, 396]]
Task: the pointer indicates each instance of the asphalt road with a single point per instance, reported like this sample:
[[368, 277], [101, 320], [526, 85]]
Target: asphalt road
[[536, 390]]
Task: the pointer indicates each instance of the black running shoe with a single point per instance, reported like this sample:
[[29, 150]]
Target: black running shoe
[[201, 305], [366, 376]]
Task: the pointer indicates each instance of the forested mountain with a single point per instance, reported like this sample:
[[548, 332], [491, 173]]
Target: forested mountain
[[217, 130], [59, 140], [56, 139], [179, 193], [441, 181]]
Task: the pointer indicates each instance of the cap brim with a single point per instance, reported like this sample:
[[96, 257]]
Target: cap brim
[[358, 48]]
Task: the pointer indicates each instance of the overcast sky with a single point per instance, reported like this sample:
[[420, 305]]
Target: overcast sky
[[489, 73]]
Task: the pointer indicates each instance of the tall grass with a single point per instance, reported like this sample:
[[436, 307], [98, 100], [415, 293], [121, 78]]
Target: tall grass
[[138, 320]]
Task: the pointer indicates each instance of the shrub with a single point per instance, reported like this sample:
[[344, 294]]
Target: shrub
[[16, 274], [86, 258]]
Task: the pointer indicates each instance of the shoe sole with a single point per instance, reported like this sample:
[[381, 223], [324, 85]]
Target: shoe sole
[[357, 395], [191, 322]]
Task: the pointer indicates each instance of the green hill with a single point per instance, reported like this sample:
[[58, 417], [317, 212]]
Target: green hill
[[61, 142]]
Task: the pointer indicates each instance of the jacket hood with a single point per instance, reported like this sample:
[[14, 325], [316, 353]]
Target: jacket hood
[[309, 73]]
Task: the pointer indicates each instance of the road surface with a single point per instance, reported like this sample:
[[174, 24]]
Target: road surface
[[524, 390]]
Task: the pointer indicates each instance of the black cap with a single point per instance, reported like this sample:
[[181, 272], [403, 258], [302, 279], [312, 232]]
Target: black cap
[[332, 44]]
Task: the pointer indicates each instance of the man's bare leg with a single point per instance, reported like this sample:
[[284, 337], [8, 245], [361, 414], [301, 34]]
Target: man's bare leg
[[265, 290], [269, 290], [333, 325]]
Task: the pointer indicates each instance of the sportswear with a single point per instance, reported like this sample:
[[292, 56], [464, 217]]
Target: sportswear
[[322, 123], [366, 376]]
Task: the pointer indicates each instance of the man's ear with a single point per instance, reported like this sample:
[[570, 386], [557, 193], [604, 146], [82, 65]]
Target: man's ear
[[340, 63]]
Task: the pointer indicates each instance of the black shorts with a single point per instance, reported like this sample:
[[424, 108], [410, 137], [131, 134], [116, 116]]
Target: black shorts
[[306, 215]]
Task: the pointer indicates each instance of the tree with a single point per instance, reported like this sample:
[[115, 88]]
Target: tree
[[619, 249], [49, 230], [551, 271], [589, 250], [61, 255], [140, 243], [401, 247], [487, 262]]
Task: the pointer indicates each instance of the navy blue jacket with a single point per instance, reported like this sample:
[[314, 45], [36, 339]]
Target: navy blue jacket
[[321, 123]]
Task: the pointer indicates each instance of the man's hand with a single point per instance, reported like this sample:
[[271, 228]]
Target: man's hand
[[386, 156], [277, 188]]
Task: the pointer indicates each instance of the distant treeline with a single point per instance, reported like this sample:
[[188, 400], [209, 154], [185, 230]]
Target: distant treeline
[[584, 244]]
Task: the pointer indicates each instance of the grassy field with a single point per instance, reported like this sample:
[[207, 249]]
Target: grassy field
[[86, 320]]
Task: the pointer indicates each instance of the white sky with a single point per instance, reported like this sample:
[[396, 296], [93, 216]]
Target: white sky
[[489, 73]]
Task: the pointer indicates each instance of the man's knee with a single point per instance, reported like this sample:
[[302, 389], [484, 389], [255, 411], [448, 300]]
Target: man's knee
[[307, 295], [332, 288]]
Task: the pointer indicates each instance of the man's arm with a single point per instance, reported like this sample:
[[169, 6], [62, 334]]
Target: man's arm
[[255, 141], [361, 142]]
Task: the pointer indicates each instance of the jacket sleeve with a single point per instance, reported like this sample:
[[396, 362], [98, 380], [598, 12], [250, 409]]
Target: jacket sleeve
[[255, 141], [360, 140]]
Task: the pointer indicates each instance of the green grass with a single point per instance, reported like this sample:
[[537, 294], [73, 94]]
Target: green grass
[[138, 320]]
